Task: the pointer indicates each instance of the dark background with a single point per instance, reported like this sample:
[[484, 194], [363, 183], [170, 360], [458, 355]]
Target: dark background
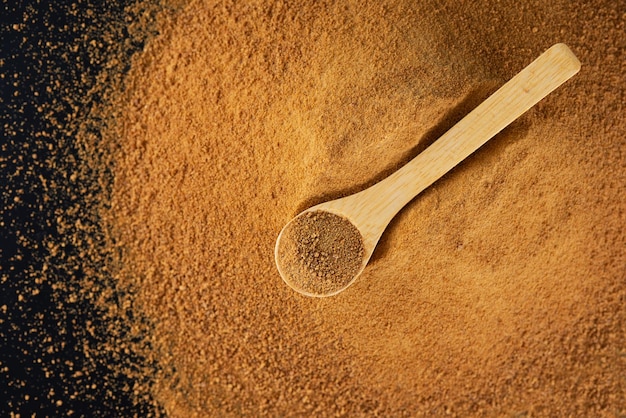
[[52, 60]]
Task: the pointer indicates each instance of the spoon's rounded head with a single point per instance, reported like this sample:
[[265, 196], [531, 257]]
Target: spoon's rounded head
[[319, 253]]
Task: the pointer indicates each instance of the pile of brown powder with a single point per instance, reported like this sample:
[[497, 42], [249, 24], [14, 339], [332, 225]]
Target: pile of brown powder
[[320, 252], [499, 291]]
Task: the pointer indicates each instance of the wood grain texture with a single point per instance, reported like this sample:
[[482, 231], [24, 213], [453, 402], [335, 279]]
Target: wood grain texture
[[373, 208]]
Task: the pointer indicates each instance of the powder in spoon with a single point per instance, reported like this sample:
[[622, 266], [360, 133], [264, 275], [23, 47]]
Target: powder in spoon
[[320, 252]]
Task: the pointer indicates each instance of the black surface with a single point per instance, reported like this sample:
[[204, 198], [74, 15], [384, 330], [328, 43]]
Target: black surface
[[51, 54]]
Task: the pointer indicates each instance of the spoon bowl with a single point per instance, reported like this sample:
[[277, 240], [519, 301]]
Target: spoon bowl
[[319, 229], [321, 251]]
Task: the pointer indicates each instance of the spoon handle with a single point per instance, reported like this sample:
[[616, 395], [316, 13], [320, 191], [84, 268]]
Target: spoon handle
[[523, 91]]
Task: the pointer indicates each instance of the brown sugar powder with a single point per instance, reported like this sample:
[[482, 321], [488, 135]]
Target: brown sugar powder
[[500, 291], [320, 252]]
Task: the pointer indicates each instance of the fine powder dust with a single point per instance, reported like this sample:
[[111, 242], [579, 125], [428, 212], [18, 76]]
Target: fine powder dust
[[320, 252], [499, 291]]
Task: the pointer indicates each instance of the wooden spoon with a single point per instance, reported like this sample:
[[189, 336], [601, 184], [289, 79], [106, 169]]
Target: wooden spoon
[[371, 210]]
